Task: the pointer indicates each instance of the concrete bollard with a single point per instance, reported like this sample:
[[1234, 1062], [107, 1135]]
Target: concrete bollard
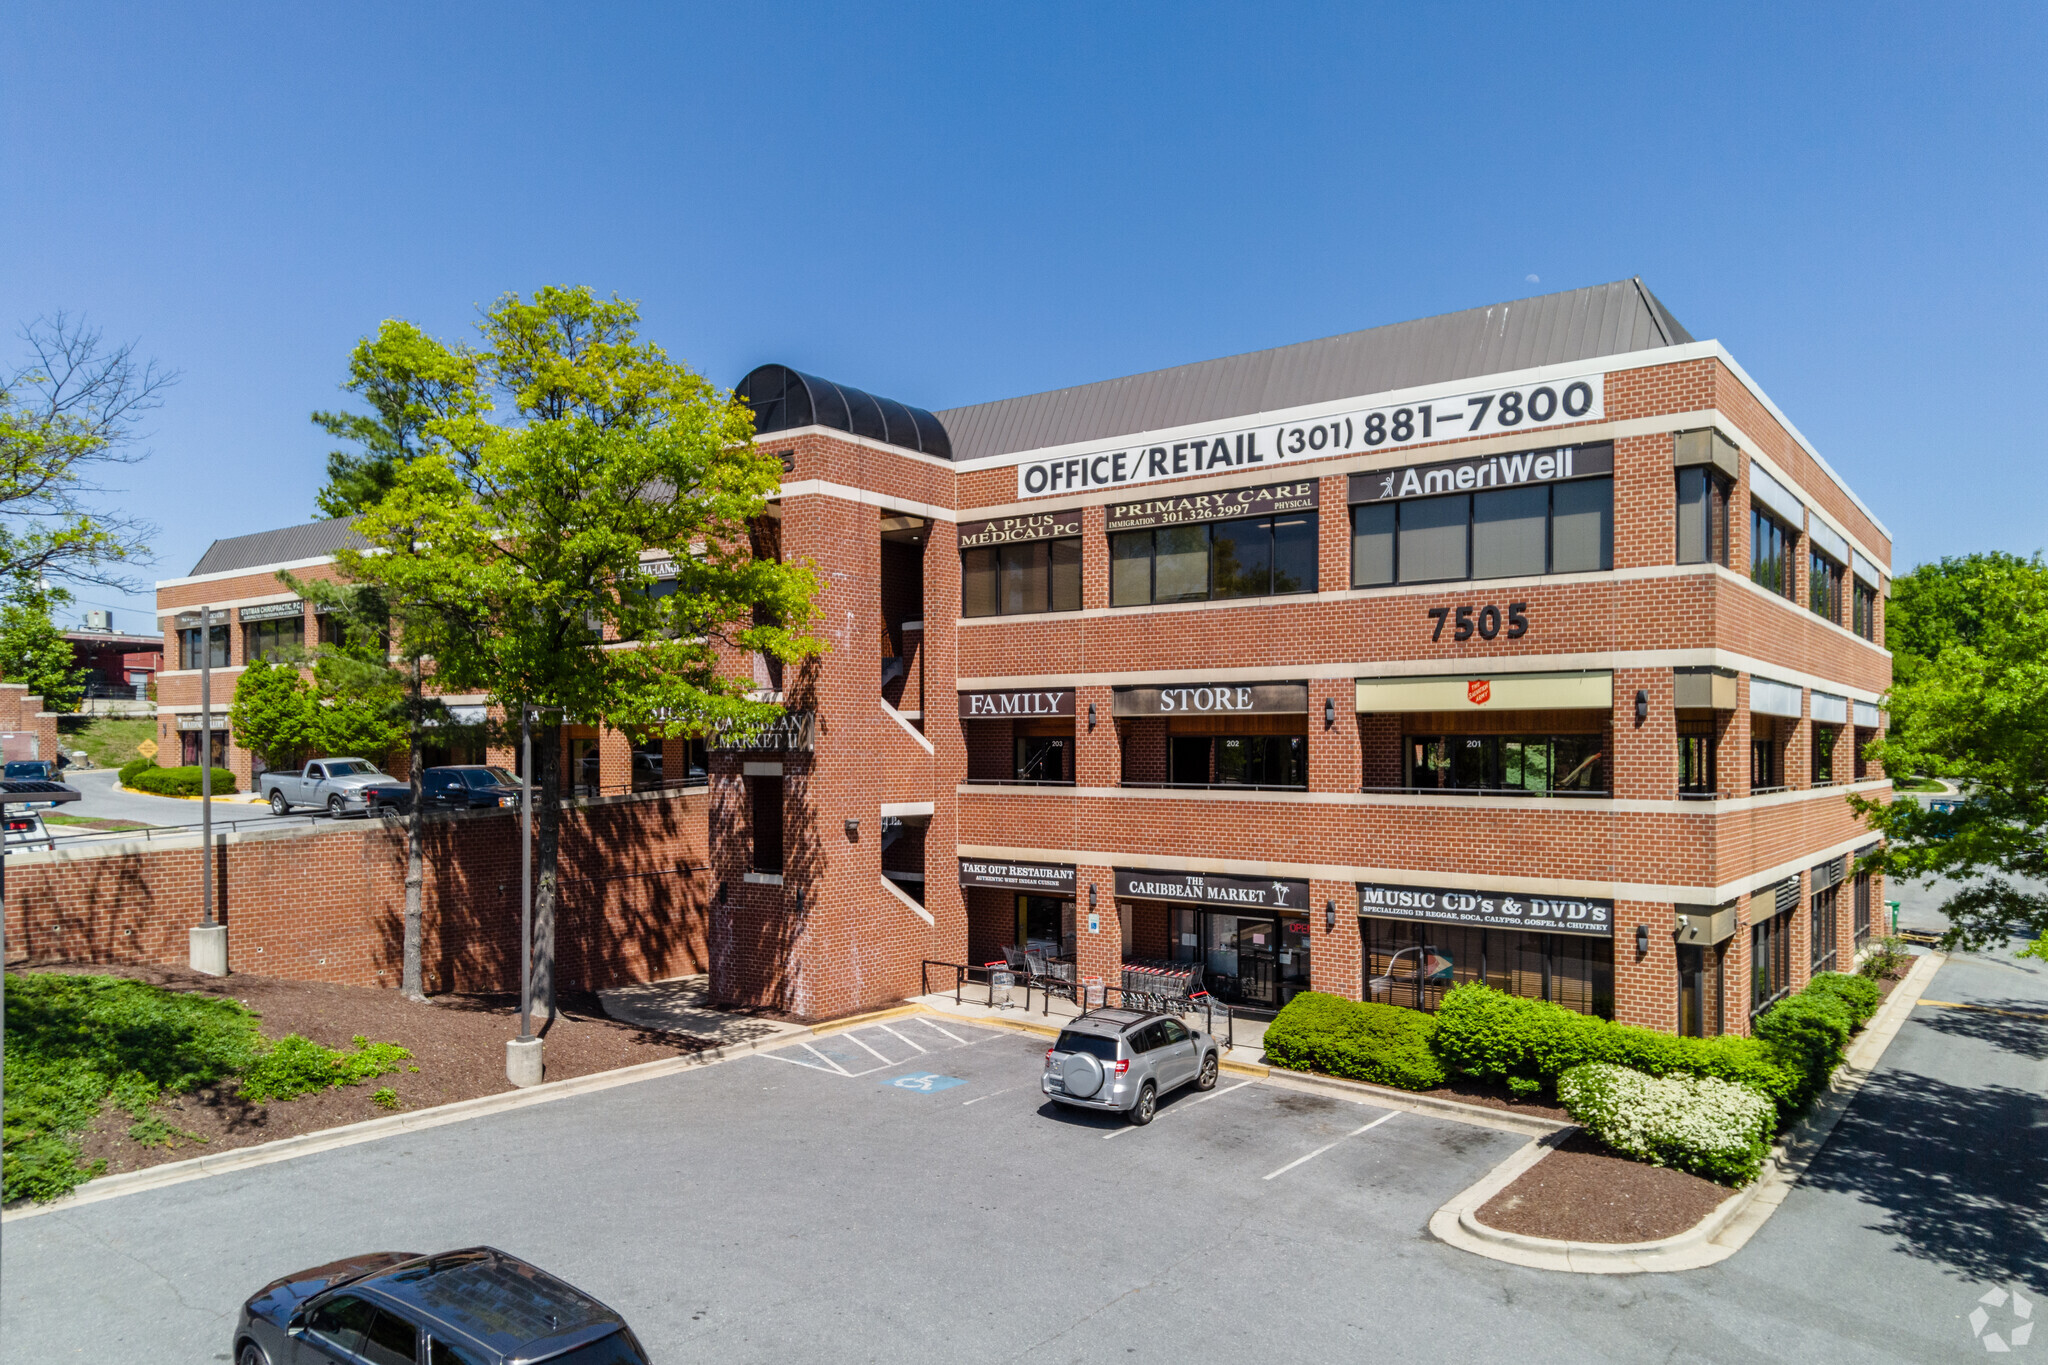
[[523, 1064], [209, 949]]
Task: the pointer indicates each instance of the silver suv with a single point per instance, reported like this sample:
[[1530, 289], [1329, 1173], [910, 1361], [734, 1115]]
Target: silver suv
[[1124, 1060]]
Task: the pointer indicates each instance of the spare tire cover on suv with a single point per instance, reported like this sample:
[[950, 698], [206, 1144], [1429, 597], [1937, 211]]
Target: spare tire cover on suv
[[1081, 1074]]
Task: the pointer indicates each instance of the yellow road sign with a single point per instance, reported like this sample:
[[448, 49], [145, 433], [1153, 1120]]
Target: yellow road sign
[[147, 748]]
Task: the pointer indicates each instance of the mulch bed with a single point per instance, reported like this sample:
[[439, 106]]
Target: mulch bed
[[1494, 1095], [457, 1043], [1581, 1192]]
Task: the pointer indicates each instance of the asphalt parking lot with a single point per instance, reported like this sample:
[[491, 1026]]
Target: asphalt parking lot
[[903, 1192]]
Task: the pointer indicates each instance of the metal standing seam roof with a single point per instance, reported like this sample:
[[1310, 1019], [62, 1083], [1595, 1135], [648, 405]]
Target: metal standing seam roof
[[307, 540], [1578, 324]]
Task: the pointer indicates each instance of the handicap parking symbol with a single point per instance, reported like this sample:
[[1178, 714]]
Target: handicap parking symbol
[[924, 1082]]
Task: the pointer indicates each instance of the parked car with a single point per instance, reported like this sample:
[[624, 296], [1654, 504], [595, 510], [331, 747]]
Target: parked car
[[25, 829], [459, 786], [30, 770], [1124, 1061], [473, 1307], [340, 784]]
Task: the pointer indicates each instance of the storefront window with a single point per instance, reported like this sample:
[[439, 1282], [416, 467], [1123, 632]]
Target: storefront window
[[1257, 961], [1043, 758], [1823, 926], [189, 745], [333, 632], [1412, 963], [1499, 533], [1238, 760], [1702, 516], [1045, 924], [1246, 557], [1770, 957], [1770, 552], [1021, 579], [1522, 764], [1860, 925]]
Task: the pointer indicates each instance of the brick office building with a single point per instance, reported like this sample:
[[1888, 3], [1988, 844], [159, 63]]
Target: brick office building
[[1529, 644]]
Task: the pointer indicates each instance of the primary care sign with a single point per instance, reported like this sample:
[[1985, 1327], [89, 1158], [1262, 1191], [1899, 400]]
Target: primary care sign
[[1489, 412]]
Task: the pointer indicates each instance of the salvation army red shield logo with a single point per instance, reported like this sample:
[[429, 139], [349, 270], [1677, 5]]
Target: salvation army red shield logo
[[1479, 690]]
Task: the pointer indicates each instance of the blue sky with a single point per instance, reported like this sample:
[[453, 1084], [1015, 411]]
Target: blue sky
[[952, 203]]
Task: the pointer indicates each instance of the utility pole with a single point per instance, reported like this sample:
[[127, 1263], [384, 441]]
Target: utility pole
[[209, 946], [523, 1061]]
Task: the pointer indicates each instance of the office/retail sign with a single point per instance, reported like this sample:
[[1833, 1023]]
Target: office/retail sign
[[1044, 879], [1298, 495], [1010, 530], [1489, 909], [270, 611], [1017, 705], [1352, 430], [1212, 890], [792, 732], [1210, 699], [1489, 471]]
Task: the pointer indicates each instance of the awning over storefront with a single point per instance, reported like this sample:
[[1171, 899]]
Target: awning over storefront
[[1830, 709], [1495, 692], [1703, 688], [1769, 697], [1867, 715], [1045, 879], [1489, 909], [1213, 890]]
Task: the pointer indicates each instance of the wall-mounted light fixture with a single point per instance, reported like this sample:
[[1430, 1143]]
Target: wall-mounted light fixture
[[1091, 895], [799, 900], [1642, 940], [1091, 715], [1642, 706], [853, 829], [1329, 712], [1329, 916]]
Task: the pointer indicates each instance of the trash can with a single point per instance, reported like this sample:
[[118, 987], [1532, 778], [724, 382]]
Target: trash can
[[1893, 908]]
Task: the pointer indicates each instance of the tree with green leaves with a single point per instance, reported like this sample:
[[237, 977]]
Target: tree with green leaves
[[525, 533], [68, 414], [33, 651], [1969, 703], [274, 712], [408, 379]]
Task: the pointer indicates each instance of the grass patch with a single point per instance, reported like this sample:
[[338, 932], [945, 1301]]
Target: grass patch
[[76, 1044], [1918, 784], [91, 822], [110, 740]]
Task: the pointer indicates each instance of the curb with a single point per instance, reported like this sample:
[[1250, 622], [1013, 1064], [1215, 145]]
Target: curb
[[1734, 1220], [1053, 1031], [370, 1130]]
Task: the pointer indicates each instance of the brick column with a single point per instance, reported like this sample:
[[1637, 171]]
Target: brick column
[[1645, 985], [1094, 559], [1333, 534], [614, 760], [1802, 933], [1799, 748], [1333, 751], [1645, 757], [1100, 953], [1336, 955], [1735, 974], [1845, 920], [1097, 762]]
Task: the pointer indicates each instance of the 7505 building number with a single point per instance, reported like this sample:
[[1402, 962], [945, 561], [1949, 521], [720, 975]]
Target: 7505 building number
[[1485, 621]]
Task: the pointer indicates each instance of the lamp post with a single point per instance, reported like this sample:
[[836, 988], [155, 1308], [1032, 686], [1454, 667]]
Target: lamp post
[[523, 1061], [209, 941]]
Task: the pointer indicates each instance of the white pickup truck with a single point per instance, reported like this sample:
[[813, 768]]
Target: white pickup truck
[[343, 785]]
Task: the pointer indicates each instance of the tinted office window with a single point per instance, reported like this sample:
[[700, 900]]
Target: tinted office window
[[188, 648], [1042, 758], [1702, 517], [764, 796], [1770, 955], [1697, 755], [1824, 586], [1498, 533], [1506, 763], [1770, 553], [1864, 605], [1824, 737], [1246, 557], [1765, 767], [268, 639], [333, 631], [1008, 580], [1823, 927]]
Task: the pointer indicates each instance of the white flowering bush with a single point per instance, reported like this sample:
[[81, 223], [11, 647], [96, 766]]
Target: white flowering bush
[[1690, 1123]]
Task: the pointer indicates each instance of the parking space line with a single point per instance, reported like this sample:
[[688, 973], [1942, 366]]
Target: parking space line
[[1164, 1113], [1328, 1145], [991, 1094], [936, 1029], [901, 1039], [854, 1038], [826, 1060]]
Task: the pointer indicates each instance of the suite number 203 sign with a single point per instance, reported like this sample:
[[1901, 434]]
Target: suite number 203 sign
[[1488, 412]]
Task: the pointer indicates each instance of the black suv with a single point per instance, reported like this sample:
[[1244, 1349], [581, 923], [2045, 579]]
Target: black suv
[[473, 1307]]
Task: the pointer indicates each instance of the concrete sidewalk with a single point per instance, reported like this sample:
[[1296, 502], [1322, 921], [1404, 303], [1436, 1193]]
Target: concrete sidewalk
[[682, 1004], [1248, 1046]]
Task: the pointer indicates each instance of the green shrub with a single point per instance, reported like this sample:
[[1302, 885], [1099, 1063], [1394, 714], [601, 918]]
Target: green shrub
[[1496, 1036], [1809, 1033], [1689, 1123], [1383, 1044], [296, 1065], [181, 781], [132, 767], [1887, 958], [384, 1098], [1859, 994]]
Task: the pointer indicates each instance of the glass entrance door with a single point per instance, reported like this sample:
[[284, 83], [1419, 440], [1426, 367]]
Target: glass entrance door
[[1243, 960]]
